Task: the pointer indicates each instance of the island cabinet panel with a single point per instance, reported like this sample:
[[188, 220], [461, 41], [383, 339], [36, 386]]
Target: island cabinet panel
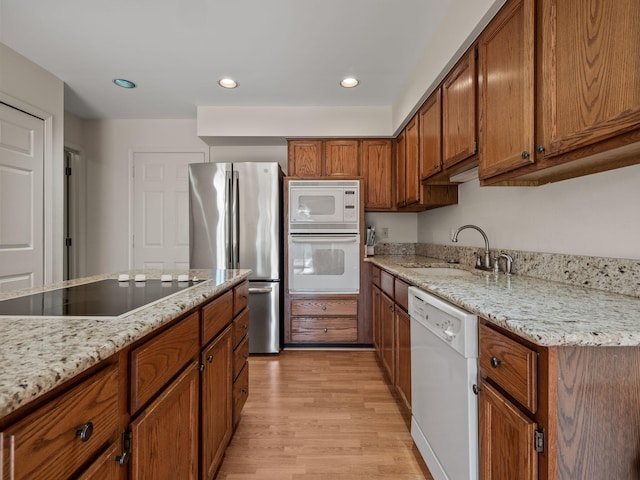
[[217, 390], [155, 362], [216, 315], [240, 297], [240, 357], [240, 393], [165, 435], [240, 327], [56, 440]]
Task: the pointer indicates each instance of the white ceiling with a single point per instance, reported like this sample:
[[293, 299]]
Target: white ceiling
[[281, 52]]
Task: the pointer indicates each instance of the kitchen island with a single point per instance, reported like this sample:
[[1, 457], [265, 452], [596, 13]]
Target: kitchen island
[[130, 365], [559, 367]]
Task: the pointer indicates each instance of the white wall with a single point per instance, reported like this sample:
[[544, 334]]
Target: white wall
[[593, 215], [26, 86], [403, 227], [108, 148]]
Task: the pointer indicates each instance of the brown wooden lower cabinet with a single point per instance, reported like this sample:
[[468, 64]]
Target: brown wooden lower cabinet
[[403, 356], [323, 319], [506, 439], [165, 434], [104, 467], [216, 408]]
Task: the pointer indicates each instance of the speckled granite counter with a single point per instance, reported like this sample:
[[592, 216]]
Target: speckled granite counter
[[39, 353], [544, 312]]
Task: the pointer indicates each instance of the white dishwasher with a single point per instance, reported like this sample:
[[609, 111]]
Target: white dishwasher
[[444, 368]]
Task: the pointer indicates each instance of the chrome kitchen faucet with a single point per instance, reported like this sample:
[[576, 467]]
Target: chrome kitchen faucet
[[487, 257]]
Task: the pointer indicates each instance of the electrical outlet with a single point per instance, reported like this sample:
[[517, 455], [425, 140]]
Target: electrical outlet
[[385, 232]]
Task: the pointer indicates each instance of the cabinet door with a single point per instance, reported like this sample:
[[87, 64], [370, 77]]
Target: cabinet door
[[341, 158], [403, 357], [376, 168], [506, 439], [459, 111], [376, 297], [217, 393], [506, 87], [412, 163], [305, 158], [430, 136], [387, 336], [590, 71], [400, 157], [165, 434]]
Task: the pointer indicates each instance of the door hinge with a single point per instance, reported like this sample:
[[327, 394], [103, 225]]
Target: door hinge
[[540, 440], [67, 242], [127, 445], [67, 171]]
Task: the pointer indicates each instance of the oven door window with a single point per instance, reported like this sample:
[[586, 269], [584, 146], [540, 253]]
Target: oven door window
[[328, 264]]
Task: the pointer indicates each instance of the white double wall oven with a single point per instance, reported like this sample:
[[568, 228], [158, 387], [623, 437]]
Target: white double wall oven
[[324, 236]]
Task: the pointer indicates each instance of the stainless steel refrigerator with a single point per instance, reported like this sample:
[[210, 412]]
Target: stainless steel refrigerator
[[235, 222]]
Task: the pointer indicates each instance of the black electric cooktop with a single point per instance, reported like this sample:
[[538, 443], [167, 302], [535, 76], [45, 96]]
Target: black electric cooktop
[[108, 298]]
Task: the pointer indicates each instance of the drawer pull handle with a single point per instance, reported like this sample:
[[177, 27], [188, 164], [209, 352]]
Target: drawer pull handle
[[245, 326], [324, 307], [244, 390], [210, 358], [326, 330], [495, 362], [476, 389], [85, 432]]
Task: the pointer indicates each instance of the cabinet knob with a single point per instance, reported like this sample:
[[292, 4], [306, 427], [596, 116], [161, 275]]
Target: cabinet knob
[[244, 390], [540, 149], [85, 432], [245, 355], [210, 358], [476, 389], [324, 307], [245, 326], [525, 155], [326, 330], [201, 367], [494, 362]]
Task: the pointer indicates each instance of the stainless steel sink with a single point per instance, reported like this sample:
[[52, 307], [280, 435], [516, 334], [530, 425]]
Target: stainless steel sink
[[442, 271]]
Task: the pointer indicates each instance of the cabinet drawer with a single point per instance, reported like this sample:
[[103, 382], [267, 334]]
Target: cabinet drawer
[[240, 297], [240, 356], [216, 316], [402, 294], [375, 275], [386, 282], [240, 393], [240, 327], [47, 445], [324, 330], [154, 363], [510, 365], [104, 467], [320, 306]]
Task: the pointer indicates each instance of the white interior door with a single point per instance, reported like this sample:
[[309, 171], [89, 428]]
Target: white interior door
[[161, 209], [21, 199]]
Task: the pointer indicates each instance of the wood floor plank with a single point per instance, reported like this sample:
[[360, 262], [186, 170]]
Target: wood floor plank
[[320, 415]]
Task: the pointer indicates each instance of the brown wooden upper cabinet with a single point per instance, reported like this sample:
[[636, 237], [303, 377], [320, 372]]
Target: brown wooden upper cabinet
[[377, 170], [401, 165], [505, 81], [430, 135], [586, 99], [412, 165], [459, 133], [305, 158], [341, 158]]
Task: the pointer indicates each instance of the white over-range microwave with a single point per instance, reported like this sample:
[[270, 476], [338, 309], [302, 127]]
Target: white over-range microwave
[[324, 206]]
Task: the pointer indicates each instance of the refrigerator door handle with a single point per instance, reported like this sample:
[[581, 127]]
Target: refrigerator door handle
[[230, 220], [260, 289], [235, 254]]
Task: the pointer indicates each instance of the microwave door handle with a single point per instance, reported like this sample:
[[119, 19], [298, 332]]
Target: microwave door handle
[[323, 240]]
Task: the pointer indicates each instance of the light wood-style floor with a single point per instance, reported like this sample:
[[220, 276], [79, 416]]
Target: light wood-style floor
[[320, 415]]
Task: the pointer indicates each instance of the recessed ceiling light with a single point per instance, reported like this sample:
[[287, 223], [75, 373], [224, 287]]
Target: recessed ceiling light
[[349, 82], [121, 82], [227, 83]]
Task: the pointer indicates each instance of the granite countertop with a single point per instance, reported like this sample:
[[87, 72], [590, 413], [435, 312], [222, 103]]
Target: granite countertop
[[546, 313], [39, 353]]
